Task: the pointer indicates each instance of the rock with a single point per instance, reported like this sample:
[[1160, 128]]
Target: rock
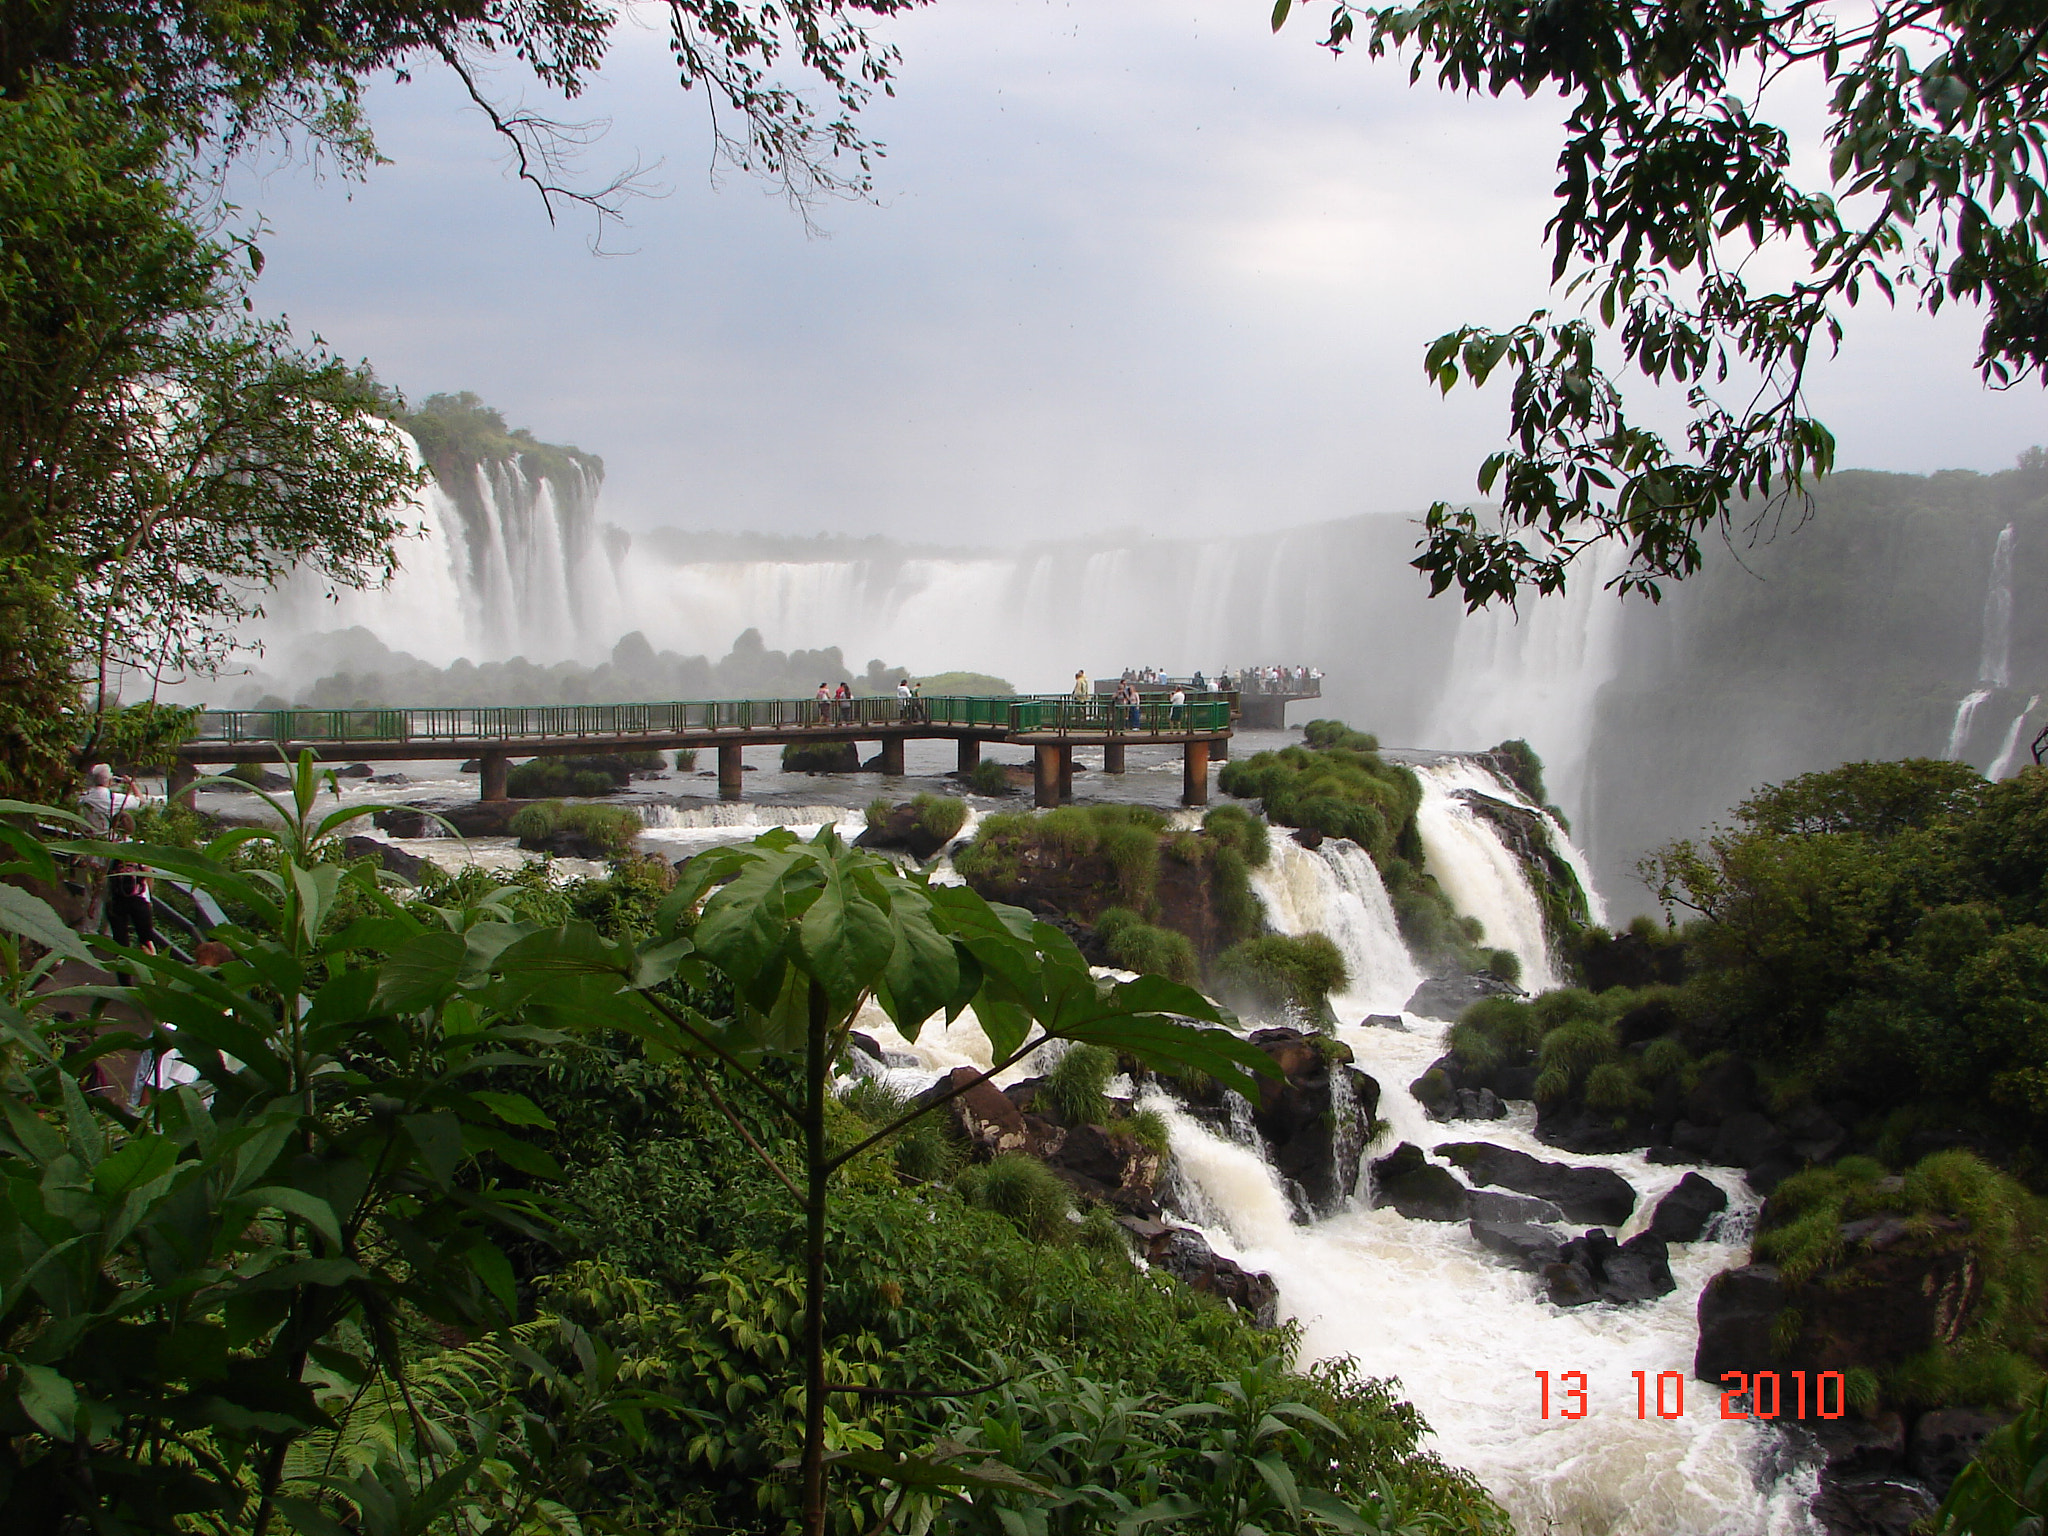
[[1695, 1141], [1531, 1247], [355, 771], [1736, 1311], [1726, 1088], [823, 757], [471, 765], [1813, 1134], [1872, 1506], [405, 865], [1308, 837], [1446, 997], [901, 829], [986, 1119], [1854, 1446], [1900, 1288], [1384, 1021], [1746, 1139], [1946, 1440], [1418, 1188], [268, 779], [391, 779], [1639, 1270], [1569, 1284], [1298, 1119], [1472, 1104], [1583, 1194], [1188, 1258], [470, 818], [1492, 1205], [1682, 1215], [1109, 1166]]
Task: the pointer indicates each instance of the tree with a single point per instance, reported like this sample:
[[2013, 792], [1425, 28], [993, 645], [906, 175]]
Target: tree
[[163, 456], [1671, 179]]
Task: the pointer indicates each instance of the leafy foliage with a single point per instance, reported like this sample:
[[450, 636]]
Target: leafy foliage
[[1671, 179], [1285, 974]]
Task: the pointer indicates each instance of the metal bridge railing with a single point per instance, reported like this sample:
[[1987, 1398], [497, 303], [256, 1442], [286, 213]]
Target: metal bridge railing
[[384, 727]]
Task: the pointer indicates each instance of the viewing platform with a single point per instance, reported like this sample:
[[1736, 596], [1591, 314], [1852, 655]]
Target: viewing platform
[[1257, 702], [1051, 725]]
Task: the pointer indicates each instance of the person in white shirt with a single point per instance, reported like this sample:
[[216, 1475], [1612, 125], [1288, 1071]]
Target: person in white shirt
[[103, 804]]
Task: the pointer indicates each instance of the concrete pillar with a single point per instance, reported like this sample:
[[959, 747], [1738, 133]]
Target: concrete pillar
[[1066, 774], [728, 770], [1045, 781], [178, 782], [494, 766], [892, 757], [1219, 750], [1113, 757], [1194, 787], [970, 754]]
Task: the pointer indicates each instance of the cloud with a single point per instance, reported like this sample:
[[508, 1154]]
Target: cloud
[[1143, 265]]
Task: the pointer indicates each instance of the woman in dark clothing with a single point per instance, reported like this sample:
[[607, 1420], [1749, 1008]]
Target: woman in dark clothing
[[128, 906]]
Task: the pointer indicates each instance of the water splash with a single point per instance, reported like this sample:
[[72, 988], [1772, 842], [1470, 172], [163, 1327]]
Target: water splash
[[1478, 871], [1336, 890], [1994, 665], [2009, 749], [1959, 729]]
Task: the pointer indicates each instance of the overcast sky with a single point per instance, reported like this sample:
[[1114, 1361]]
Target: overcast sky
[[1132, 265]]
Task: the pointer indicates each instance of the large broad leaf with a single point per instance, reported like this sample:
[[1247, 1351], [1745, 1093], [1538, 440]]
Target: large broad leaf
[[923, 974], [845, 937], [574, 949], [1170, 1045], [745, 925], [422, 972], [34, 918]]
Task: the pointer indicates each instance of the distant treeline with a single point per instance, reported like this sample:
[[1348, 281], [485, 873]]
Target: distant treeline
[[377, 676]]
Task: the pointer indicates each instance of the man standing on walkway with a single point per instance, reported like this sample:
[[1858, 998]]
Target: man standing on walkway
[[1083, 689]]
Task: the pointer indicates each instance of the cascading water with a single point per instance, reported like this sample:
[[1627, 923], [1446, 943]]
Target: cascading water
[[1475, 868], [1336, 890], [1995, 664], [1966, 717], [2009, 749]]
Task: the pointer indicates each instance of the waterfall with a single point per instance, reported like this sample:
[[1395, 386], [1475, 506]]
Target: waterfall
[[1479, 873], [1995, 664], [1959, 729], [1336, 890], [2009, 749]]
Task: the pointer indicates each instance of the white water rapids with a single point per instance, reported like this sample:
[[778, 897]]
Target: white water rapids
[[1423, 1302]]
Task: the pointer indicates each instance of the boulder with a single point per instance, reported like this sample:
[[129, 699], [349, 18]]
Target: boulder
[[1946, 1440], [1471, 1104], [823, 757], [1384, 1021], [391, 780], [1313, 1147], [1493, 1205], [355, 771], [1872, 1506], [900, 829], [1583, 1194], [985, 1118], [1187, 1256], [1569, 1284], [1682, 1215], [1531, 1247], [1637, 1270], [1900, 1287], [1854, 1446], [1111, 1167], [1726, 1088], [1747, 1139], [1736, 1311], [1446, 997], [1418, 1188], [1813, 1135], [1308, 837], [405, 865]]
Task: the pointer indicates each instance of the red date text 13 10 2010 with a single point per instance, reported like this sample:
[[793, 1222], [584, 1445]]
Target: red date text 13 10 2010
[[1761, 1395]]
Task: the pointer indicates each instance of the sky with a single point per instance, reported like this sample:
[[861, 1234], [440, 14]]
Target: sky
[[1142, 266]]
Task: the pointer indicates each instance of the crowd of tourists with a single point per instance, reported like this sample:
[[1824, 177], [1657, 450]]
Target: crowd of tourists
[[1295, 681]]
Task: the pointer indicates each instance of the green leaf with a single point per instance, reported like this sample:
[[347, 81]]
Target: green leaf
[[438, 1136], [140, 1160], [49, 1399], [940, 1469], [34, 918], [311, 1209], [514, 1108], [845, 939], [423, 972]]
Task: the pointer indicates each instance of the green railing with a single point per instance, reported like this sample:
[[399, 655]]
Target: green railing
[[384, 727]]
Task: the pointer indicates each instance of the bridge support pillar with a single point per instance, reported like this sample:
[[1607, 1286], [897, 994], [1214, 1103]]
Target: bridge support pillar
[[969, 754], [178, 782], [892, 757], [1045, 777], [1066, 774], [1113, 757], [494, 766], [728, 770], [1219, 750], [1194, 786]]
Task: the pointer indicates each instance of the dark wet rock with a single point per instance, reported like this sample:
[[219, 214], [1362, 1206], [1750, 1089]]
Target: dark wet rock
[[355, 771], [1529, 1246], [1474, 1104], [1736, 1311], [1682, 1215], [901, 829], [1583, 1194], [1569, 1284], [1853, 1446], [1727, 1088], [1494, 1205], [1872, 1506], [396, 860], [1419, 1189], [1385, 1021], [1099, 1163], [268, 779], [471, 765], [1637, 1270], [1187, 1256], [469, 818], [1314, 1148], [1945, 1440], [1446, 997], [1110, 1166], [1813, 1135], [391, 780], [1308, 837], [1747, 1139]]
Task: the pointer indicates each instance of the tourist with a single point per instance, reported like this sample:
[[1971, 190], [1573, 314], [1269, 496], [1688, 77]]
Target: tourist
[[129, 907], [1178, 702], [904, 698], [1082, 687], [1201, 684], [103, 804], [917, 701], [844, 696], [824, 704]]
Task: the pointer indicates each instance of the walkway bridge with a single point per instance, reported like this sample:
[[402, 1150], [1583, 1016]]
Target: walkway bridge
[[1052, 726]]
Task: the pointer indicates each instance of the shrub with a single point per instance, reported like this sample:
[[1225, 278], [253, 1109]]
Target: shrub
[[821, 757], [1148, 1128], [988, 777], [1025, 1191], [941, 816], [1136, 945], [1505, 964], [1235, 828], [1280, 972], [1338, 785], [610, 828], [686, 759], [877, 813], [545, 778], [1074, 1087]]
